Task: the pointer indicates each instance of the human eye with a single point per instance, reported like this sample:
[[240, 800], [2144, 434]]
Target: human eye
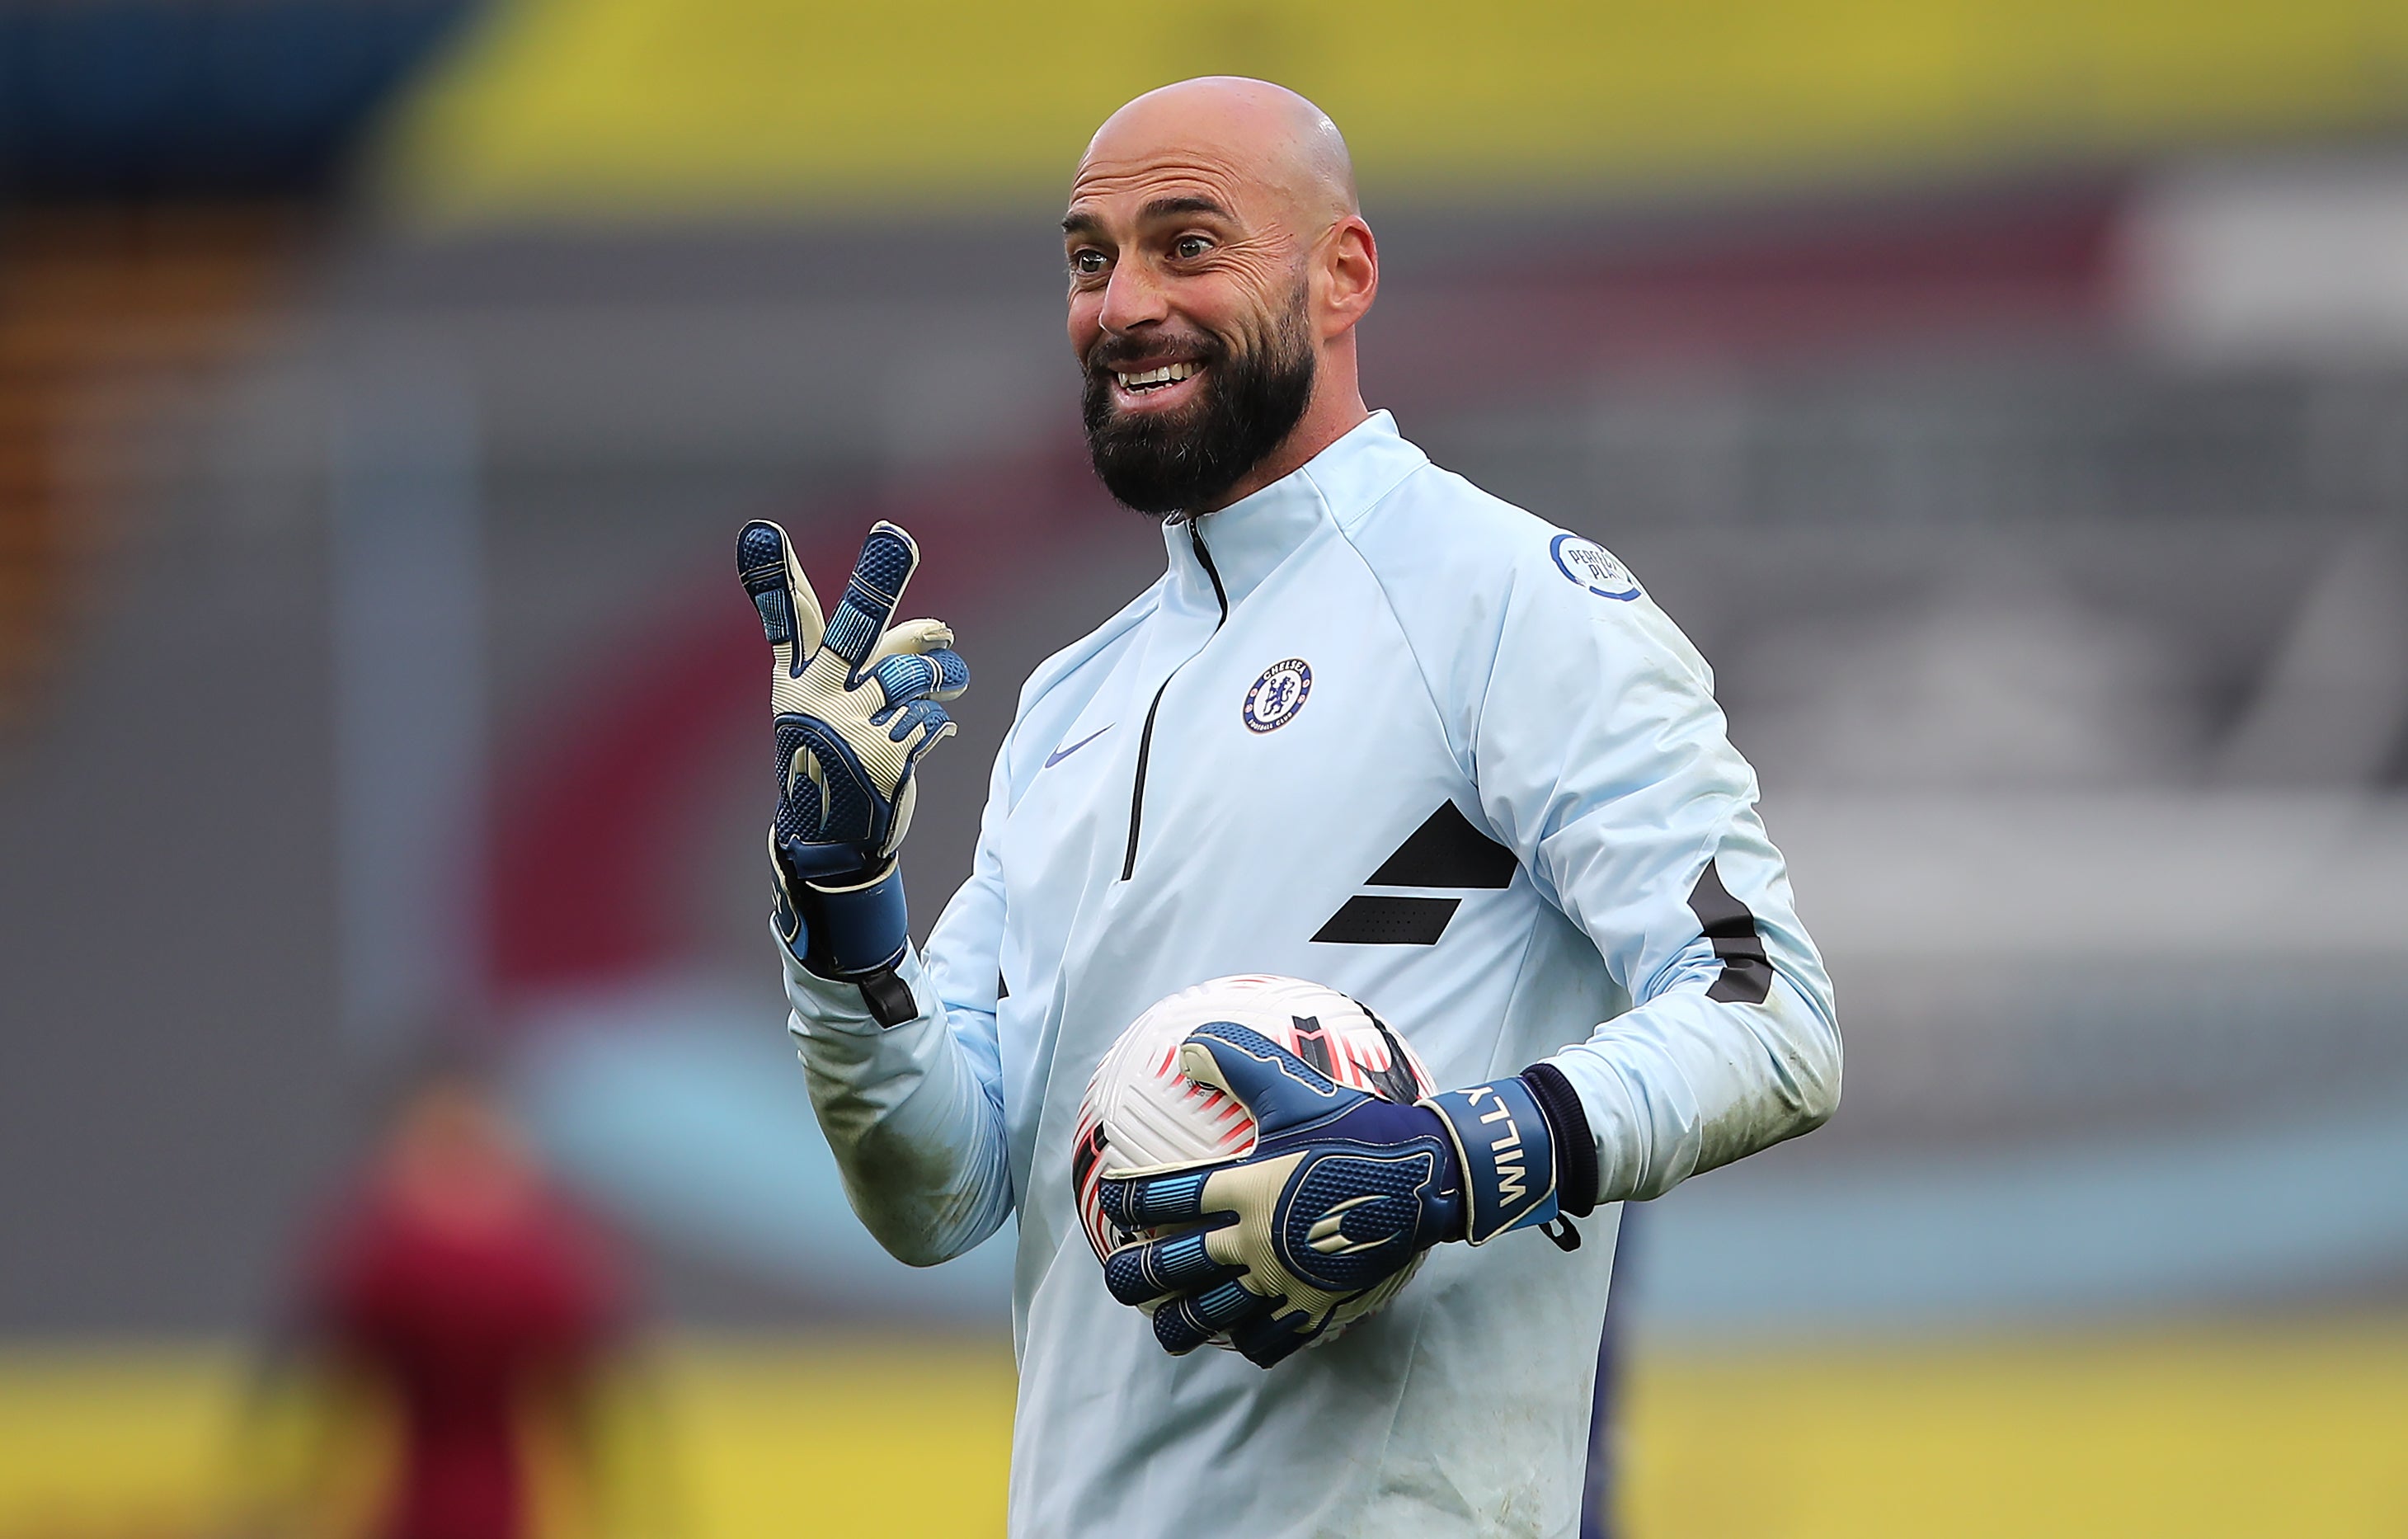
[[1189, 247], [1088, 262]]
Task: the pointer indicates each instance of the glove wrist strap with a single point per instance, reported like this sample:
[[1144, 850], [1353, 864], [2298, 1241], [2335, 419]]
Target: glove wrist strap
[[850, 929], [888, 999], [1507, 1153]]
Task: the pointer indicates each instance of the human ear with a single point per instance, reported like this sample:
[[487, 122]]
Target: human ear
[[1349, 274]]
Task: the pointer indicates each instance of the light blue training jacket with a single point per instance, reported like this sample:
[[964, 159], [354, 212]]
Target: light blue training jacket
[[1375, 728]]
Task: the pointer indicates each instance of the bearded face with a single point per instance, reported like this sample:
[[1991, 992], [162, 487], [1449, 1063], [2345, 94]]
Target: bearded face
[[1231, 400]]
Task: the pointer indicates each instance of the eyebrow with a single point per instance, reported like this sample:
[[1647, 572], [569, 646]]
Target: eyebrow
[[1081, 222], [1188, 205]]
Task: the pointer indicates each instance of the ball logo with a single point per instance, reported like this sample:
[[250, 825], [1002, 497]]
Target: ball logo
[[1591, 566], [1278, 694]]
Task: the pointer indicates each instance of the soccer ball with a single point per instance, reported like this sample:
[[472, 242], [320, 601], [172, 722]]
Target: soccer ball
[[1141, 1111]]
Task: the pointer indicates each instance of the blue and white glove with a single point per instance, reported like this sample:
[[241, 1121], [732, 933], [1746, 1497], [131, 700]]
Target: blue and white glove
[[855, 704], [1341, 1191]]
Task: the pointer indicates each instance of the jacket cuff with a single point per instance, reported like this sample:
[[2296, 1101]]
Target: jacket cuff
[[1575, 1146], [825, 1006]]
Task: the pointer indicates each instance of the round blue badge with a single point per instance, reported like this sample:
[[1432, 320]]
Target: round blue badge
[[1591, 566], [1278, 694]]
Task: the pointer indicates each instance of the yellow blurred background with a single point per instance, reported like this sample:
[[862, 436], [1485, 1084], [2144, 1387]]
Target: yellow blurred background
[[563, 108], [2175, 1430]]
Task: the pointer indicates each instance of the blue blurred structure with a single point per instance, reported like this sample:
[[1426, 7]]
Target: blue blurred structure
[[123, 99]]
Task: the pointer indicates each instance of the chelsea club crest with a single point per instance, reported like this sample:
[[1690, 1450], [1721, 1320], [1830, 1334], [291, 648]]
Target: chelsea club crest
[[1278, 694]]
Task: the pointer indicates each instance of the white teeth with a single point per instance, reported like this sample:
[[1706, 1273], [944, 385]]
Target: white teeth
[[1167, 374]]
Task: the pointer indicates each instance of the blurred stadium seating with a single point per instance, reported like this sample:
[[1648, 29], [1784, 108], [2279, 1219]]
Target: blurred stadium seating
[[2012, 401]]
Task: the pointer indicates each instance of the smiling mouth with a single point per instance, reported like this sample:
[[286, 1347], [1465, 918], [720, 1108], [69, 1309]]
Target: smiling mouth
[[1149, 381]]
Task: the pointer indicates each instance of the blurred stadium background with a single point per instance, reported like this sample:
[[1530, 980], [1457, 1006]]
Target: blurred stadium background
[[2011, 398]]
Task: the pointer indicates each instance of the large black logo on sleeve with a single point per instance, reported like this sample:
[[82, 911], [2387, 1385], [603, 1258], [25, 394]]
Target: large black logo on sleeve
[[1748, 972]]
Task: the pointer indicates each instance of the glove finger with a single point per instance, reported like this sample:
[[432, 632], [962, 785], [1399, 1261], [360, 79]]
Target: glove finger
[[938, 675], [928, 719], [923, 717], [781, 594], [912, 636], [1188, 1322], [1281, 1090], [1148, 1269], [1146, 1201], [1226, 1306], [952, 674], [888, 558], [898, 722], [1178, 1330], [905, 678]]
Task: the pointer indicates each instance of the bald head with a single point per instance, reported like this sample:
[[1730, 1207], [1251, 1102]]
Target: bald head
[[1288, 144], [1218, 264]]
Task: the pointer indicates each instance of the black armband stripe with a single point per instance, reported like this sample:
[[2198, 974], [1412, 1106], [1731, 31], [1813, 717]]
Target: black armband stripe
[[1575, 1146], [1748, 972]]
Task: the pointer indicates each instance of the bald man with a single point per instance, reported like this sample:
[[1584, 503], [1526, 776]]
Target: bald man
[[1374, 728]]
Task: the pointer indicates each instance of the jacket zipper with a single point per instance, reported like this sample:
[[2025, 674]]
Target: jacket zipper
[[1145, 738]]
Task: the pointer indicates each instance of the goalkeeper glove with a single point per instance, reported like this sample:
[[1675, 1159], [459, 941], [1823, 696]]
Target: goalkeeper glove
[[1340, 1192], [856, 705]]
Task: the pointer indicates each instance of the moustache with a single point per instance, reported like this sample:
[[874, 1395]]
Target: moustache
[[1113, 354]]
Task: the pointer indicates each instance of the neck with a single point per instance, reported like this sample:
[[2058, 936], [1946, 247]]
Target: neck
[[1333, 413]]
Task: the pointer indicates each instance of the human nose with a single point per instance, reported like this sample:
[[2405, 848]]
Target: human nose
[[1133, 297]]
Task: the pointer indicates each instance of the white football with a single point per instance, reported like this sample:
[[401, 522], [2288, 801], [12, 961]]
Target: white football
[[1141, 1111]]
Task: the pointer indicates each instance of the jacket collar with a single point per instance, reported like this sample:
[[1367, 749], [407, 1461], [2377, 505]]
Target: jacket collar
[[1250, 538]]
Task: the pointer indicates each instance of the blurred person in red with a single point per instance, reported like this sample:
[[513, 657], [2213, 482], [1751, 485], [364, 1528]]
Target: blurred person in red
[[459, 1320]]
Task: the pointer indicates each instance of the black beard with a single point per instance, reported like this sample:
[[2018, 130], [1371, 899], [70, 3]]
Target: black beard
[[1176, 461]]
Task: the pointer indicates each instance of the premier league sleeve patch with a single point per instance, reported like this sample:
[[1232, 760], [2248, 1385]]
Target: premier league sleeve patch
[[1591, 566], [1278, 694]]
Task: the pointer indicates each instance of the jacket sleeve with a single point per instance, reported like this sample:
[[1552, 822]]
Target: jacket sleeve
[[1602, 759], [914, 1112]]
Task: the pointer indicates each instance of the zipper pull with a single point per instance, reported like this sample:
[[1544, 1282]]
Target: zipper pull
[[1204, 559]]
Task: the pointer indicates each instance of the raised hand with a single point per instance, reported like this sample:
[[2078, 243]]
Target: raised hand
[[854, 699]]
